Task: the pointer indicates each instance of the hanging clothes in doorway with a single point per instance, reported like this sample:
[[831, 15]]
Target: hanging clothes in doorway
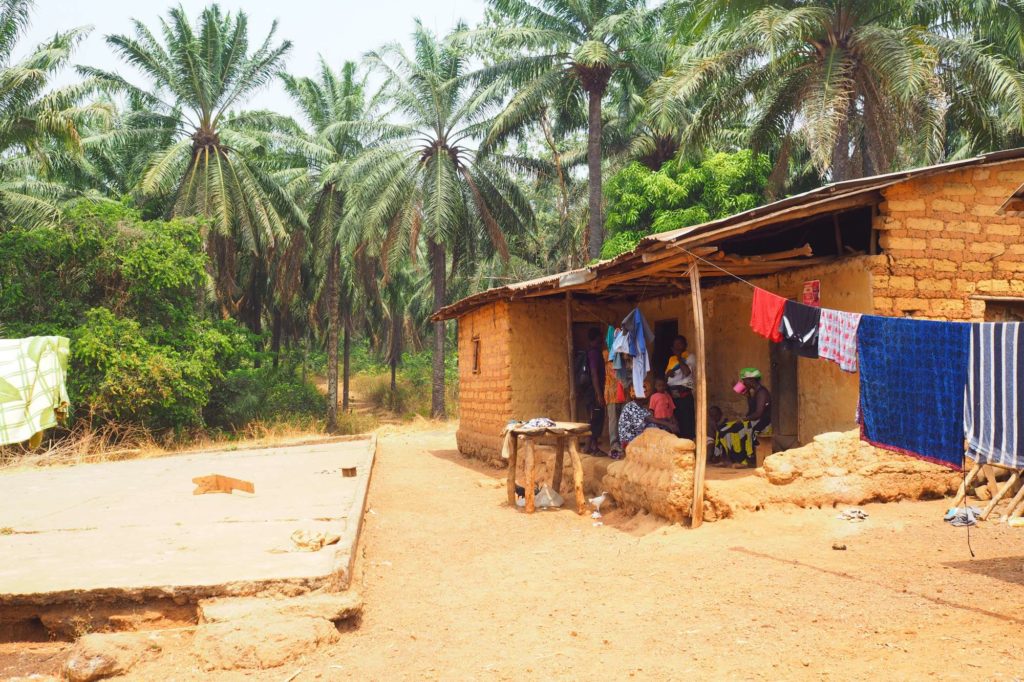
[[640, 336], [994, 406], [912, 378]]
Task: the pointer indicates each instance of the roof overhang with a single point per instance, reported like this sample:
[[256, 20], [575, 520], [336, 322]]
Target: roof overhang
[[661, 260]]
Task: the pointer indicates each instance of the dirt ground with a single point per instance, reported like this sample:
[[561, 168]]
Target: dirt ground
[[459, 586]]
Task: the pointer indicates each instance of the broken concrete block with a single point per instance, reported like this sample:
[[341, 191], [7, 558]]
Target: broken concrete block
[[255, 643], [331, 606], [97, 656]]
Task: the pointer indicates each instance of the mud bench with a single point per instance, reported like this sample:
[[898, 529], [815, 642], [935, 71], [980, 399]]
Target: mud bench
[[565, 435]]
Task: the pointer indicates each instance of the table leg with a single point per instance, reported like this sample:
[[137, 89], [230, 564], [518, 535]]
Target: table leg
[[513, 459], [556, 478], [577, 476], [531, 475]]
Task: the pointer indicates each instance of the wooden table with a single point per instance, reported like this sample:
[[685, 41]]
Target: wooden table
[[563, 433]]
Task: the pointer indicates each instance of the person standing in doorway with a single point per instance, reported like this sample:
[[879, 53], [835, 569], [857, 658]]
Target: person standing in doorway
[[595, 367], [681, 372]]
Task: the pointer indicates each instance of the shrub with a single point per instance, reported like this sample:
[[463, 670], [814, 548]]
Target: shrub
[[264, 394]]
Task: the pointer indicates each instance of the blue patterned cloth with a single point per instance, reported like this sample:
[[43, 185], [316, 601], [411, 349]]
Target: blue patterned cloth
[[912, 379]]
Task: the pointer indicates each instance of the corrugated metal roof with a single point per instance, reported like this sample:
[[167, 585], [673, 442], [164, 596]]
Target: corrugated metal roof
[[825, 197]]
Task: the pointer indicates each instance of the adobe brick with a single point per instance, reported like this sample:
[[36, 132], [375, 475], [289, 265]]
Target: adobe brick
[[926, 224], [947, 205], [945, 244]]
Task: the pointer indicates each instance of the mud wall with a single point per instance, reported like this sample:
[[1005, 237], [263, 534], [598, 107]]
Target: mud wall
[[485, 390], [540, 365], [943, 243]]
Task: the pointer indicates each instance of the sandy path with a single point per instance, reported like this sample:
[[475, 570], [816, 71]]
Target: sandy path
[[458, 586]]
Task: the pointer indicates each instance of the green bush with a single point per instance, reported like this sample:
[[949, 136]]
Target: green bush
[[263, 394]]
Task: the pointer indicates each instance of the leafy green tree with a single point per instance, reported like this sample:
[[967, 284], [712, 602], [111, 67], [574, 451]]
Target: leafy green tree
[[642, 201], [569, 53], [197, 75], [430, 183], [866, 85]]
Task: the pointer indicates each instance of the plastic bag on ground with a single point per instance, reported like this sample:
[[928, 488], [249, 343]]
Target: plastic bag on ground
[[548, 497]]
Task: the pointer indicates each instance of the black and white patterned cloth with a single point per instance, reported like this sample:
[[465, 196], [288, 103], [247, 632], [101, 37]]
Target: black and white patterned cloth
[[632, 421], [994, 405]]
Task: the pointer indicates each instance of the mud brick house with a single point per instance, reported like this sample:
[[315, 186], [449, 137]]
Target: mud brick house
[[941, 242]]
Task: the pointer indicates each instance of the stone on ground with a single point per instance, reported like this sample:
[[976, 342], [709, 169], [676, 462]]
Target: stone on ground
[[97, 656], [330, 606], [255, 643]]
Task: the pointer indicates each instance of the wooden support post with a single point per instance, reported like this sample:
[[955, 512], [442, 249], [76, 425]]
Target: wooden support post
[[1016, 508], [1000, 494], [556, 477], [569, 356], [513, 459], [961, 494], [530, 474], [701, 395], [577, 475], [838, 234]]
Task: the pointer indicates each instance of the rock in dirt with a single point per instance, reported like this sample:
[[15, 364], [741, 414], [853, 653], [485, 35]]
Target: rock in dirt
[[493, 483], [253, 643], [838, 545], [330, 606], [98, 655]]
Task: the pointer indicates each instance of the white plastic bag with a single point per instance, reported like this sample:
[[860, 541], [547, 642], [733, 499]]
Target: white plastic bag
[[549, 497]]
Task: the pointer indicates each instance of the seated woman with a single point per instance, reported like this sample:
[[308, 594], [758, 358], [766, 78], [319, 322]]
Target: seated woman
[[738, 438]]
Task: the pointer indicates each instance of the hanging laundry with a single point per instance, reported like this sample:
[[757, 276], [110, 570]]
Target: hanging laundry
[[837, 338], [618, 345], [640, 335], [994, 405], [912, 379], [765, 314], [33, 390], [799, 328]]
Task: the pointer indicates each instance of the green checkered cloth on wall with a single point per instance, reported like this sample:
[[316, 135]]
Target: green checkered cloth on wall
[[33, 394]]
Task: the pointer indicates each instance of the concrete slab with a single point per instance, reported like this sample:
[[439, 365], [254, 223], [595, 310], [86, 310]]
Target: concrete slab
[[134, 529]]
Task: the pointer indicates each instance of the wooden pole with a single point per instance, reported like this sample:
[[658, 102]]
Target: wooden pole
[[701, 396], [568, 354]]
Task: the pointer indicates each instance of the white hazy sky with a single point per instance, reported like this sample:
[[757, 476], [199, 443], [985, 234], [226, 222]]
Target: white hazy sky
[[339, 30]]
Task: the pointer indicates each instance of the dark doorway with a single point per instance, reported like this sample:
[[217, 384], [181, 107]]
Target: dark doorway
[[664, 332], [1004, 311], [784, 398]]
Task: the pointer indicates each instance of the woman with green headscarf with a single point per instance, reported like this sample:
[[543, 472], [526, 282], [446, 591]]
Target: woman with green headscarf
[[737, 439]]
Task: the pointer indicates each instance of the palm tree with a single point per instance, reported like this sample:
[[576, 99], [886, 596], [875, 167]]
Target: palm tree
[[197, 75], [38, 126], [335, 106], [865, 85], [569, 53], [430, 182]]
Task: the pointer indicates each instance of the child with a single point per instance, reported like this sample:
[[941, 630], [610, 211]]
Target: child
[[663, 407]]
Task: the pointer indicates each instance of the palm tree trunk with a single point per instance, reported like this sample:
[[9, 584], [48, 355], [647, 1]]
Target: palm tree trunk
[[595, 225], [332, 341], [346, 355], [275, 336], [437, 277], [841, 152]]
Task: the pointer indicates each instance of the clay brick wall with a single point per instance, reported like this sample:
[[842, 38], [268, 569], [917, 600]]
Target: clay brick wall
[[540, 365], [485, 397], [943, 243]]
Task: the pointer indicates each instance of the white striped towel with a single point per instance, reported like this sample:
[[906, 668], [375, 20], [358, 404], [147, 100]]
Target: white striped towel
[[993, 405]]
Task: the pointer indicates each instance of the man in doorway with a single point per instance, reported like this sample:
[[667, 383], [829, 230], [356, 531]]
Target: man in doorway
[[681, 372], [596, 400]]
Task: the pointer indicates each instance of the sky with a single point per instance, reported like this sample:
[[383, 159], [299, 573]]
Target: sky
[[338, 29]]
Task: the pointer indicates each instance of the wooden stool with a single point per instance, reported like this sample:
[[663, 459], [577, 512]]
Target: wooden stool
[[563, 432]]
